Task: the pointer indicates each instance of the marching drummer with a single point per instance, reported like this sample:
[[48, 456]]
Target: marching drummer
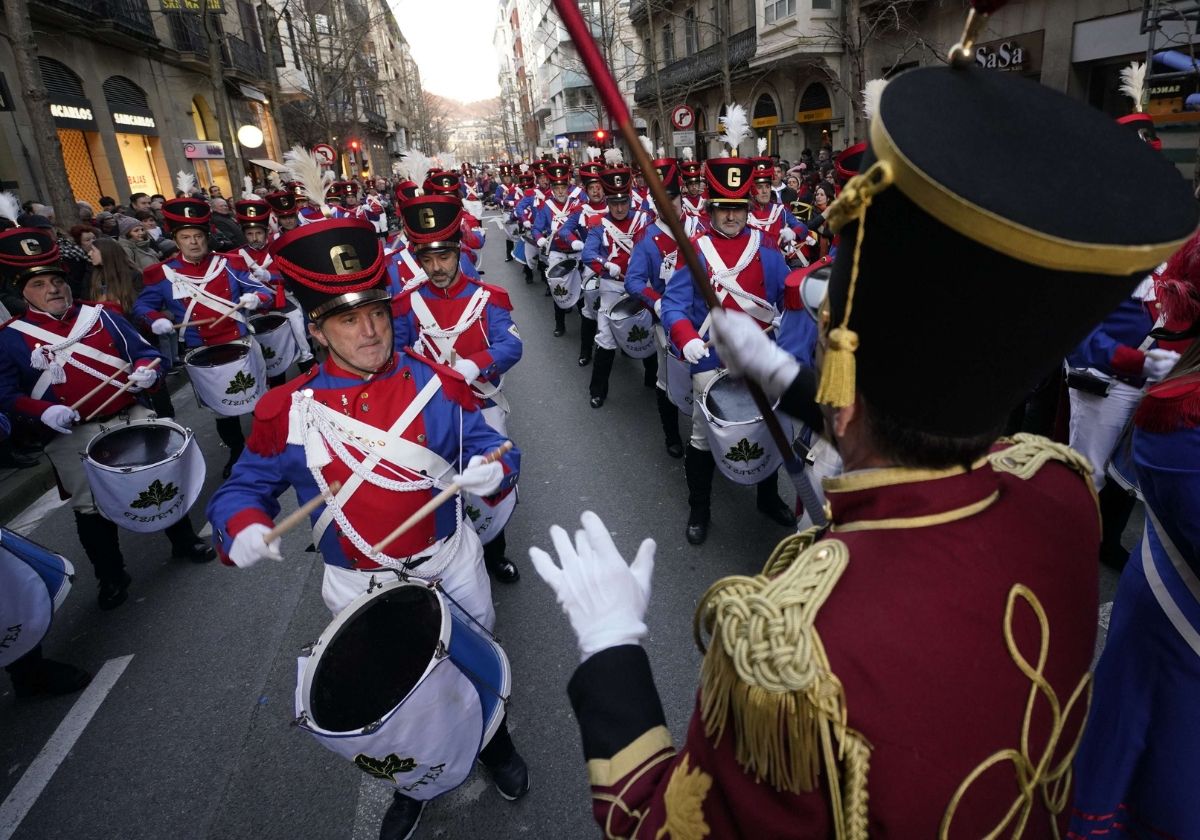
[[591, 210], [747, 277], [606, 252], [556, 227], [779, 227], [394, 429], [285, 210], [77, 368], [211, 293], [461, 322]]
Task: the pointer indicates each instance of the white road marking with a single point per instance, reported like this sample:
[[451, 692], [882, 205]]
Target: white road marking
[[34, 781], [27, 520]]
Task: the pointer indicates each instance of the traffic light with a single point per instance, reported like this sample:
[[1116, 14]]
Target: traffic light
[[600, 135], [354, 145]]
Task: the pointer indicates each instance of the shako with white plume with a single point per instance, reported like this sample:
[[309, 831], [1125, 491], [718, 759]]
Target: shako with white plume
[[307, 171]]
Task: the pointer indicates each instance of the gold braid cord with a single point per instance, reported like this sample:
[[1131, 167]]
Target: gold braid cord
[[1029, 453], [1036, 777], [766, 670]]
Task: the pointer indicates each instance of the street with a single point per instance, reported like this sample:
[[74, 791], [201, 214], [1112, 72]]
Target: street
[[193, 739]]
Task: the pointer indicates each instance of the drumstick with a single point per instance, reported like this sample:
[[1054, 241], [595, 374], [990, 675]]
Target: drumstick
[[187, 324], [227, 314], [96, 390], [120, 391], [436, 502], [298, 515]]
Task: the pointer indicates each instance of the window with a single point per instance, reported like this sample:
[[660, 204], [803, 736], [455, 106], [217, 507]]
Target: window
[[668, 43], [778, 10], [691, 35], [249, 23], [822, 4]]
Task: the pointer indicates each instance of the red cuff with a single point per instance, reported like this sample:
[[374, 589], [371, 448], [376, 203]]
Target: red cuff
[[1127, 361], [238, 522], [682, 332], [650, 293], [31, 407], [596, 266], [483, 360]]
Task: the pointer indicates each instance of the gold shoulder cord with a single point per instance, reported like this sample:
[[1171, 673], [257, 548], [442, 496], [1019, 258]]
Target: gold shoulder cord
[[1029, 453], [767, 671], [1035, 776]]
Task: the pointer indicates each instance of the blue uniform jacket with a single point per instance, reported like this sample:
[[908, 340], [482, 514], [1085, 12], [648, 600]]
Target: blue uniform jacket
[[642, 279], [156, 295], [1112, 347], [570, 230]]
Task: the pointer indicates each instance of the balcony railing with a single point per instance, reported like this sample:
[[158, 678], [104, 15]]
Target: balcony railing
[[239, 57], [697, 70], [246, 59], [126, 17], [187, 36], [573, 121], [375, 121]]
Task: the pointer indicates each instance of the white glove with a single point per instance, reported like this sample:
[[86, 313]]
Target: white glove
[[658, 308], [527, 224], [604, 598], [695, 350], [60, 417], [468, 369], [541, 243], [614, 270], [249, 547], [480, 478], [261, 275], [787, 235], [142, 378], [577, 246], [747, 351], [249, 301], [1158, 363], [161, 326]]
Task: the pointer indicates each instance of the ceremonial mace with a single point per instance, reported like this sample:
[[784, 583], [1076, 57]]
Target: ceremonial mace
[[614, 103]]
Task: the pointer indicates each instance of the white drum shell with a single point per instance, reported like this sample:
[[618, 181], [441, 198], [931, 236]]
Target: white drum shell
[[278, 345], [632, 330], [565, 285], [679, 382], [217, 388], [744, 450]]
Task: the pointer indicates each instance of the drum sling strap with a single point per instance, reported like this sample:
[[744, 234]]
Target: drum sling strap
[[50, 356], [725, 282], [617, 237], [670, 257], [1160, 589], [557, 219], [314, 426], [439, 341], [193, 289]]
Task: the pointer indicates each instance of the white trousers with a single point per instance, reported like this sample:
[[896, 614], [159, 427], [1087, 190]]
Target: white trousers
[[699, 423], [660, 349], [1097, 423], [611, 291], [464, 579], [66, 454]]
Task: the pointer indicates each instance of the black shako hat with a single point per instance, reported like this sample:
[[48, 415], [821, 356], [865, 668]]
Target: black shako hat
[[182, 213], [616, 182], [332, 265], [997, 280], [283, 203], [26, 252], [668, 173], [252, 212], [432, 222], [729, 181]]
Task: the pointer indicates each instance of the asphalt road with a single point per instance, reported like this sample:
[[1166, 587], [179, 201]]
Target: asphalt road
[[193, 739]]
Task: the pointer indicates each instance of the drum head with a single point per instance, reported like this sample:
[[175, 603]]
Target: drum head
[[626, 307], [563, 268], [375, 659], [729, 399], [136, 445], [217, 355], [266, 323]]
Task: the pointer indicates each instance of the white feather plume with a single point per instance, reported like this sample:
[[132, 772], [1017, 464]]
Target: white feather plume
[[687, 153], [306, 169], [593, 153], [613, 157], [185, 181], [736, 126], [538, 151], [524, 168], [661, 151], [10, 206], [449, 161], [248, 188], [762, 146], [415, 164], [1133, 83], [872, 93], [274, 180], [646, 144]]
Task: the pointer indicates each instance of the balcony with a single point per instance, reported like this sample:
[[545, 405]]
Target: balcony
[[120, 22], [699, 70], [244, 59], [574, 121], [572, 79], [374, 121]]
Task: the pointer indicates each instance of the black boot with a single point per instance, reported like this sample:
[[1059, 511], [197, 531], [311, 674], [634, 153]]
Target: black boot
[[508, 246], [1115, 506], [499, 566], [769, 503], [560, 322], [669, 415], [229, 430], [601, 370], [33, 675], [587, 339], [698, 467], [101, 544], [505, 764], [650, 371], [528, 276], [402, 818], [185, 545]]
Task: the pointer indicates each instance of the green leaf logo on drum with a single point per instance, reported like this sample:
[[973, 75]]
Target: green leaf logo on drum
[[473, 513], [385, 768], [156, 495], [268, 352], [744, 450], [559, 291], [638, 333], [242, 383]]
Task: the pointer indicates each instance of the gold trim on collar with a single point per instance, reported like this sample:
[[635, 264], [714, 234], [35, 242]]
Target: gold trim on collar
[[1006, 236], [872, 479], [905, 522]]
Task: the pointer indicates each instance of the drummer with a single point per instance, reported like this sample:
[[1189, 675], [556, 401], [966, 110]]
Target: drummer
[[556, 228], [458, 321], [285, 211], [50, 359], [591, 210], [197, 285], [609, 244], [306, 434], [747, 277]]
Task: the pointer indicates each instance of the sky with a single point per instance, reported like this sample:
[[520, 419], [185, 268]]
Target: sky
[[451, 41]]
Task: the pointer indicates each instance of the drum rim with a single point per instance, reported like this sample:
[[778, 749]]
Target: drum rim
[[330, 633], [283, 319], [575, 267], [716, 421], [244, 340], [609, 312], [189, 438]]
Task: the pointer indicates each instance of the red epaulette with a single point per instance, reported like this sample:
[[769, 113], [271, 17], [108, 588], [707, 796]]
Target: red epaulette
[[454, 386], [154, 273], [499, 295], [268, 435], [1170, 406]]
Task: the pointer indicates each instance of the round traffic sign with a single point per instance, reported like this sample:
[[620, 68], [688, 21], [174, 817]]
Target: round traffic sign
[[325, 153], [683, 117]]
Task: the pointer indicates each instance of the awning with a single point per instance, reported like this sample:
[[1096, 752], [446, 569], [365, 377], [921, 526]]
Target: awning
[[267, 163], [251, 92]]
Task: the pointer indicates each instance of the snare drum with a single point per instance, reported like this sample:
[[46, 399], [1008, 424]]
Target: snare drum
[[489, 518], [228, 378], [275, 337], [144, 474], [531, 251], [743, 448], [678, 376], [590, 289], [406, 687], [1120, 467], [566, 282], [34, 582], [632, 327]]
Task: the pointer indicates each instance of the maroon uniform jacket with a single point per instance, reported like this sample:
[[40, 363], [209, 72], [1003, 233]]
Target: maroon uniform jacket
[[877, 661]]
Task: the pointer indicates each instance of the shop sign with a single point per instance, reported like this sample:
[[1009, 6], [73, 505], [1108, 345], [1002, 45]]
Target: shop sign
[[814, 115], [203, 150], [73, 115], [192, 5], [1020, 54], [135, 123]]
